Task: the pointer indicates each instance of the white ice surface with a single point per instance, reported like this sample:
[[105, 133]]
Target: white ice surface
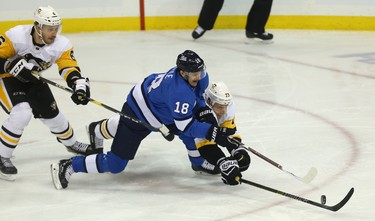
[[305, 100]]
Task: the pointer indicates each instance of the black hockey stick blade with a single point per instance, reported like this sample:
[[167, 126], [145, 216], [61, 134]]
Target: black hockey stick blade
[[301, 199], [342, 202]]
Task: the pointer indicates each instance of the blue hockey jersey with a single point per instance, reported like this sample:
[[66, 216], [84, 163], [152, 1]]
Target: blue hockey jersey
[[167, 98]]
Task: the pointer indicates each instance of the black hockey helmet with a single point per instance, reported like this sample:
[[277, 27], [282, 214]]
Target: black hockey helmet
[[189, 61]]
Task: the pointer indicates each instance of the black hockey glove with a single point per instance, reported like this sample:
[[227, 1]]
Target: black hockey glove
[[219, 135], [206, 114], [239, 152], [242, 157], [233, 143], [230, 173], [81, 91], [22, 70]]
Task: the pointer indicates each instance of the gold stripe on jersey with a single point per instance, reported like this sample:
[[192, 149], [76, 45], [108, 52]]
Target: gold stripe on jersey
[[67, 63], [229, 123], [236, 136], [6, 47], [207, 142], [4, 98], [204, 143], [5, 75]]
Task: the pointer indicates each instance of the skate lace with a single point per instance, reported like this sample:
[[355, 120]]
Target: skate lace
[[6, 162], [69, 171], [82, 147]]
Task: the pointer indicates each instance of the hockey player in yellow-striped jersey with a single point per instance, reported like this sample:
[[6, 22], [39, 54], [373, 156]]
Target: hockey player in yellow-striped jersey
[[26, 51], [206, 156]]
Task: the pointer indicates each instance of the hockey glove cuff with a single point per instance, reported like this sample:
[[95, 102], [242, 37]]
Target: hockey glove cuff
[[22, 70], [219, 135], [242, 157], [81, 91]]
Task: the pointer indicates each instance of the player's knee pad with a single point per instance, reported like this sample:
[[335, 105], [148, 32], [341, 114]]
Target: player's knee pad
[[113, 163], [19, 116]]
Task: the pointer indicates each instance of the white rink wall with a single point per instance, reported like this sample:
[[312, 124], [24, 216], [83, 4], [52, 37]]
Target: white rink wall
[[22, 9]]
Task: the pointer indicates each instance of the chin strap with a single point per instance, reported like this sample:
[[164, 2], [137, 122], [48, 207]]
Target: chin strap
[[40, 34]]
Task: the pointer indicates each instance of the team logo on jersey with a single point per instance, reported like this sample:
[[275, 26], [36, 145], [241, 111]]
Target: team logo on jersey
[[72, 55], [37, 61], [53, 105]]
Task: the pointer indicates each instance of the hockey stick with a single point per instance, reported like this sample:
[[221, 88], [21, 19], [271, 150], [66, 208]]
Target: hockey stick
[[321, 204], [163, 130], [306, 179]]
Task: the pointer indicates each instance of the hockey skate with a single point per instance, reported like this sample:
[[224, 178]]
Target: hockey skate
[[95, 142], [61, 173], [7, 169], [264, 37], [206, 168], [198, 32], [83, 149]]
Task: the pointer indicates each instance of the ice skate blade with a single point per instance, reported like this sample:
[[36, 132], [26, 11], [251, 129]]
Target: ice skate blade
[[257, 41], [55, 176], [8, 177], [202, 173]]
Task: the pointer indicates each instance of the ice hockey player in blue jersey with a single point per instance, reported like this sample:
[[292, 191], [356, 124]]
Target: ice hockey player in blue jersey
[[170, 98], [205, 155]]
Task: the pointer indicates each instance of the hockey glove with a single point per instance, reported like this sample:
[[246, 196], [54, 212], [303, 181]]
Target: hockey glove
[[219, 135], [22, 70], [230, 173], [232, 145], [242, 157], [81, 91], [239, 153], [206, 114]]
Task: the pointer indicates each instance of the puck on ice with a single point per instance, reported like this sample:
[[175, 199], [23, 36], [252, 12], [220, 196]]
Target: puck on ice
[[323, 199]]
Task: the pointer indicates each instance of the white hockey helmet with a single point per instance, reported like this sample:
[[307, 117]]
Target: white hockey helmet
[[47, 16], [218, 92]]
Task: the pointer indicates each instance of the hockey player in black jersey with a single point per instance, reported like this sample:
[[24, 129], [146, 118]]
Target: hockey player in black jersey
[[205, 155]]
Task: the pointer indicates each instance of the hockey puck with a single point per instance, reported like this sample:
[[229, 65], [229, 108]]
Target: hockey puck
[[323, 199]]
